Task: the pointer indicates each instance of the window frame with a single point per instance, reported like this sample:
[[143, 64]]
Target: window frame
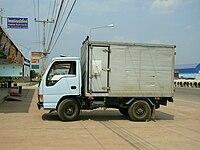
[[71, 71]]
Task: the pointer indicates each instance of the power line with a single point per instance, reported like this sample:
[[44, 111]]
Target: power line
[[53, 15], [57, 13], [34, 9], [36, 27], [38, 19], [49, 8], [55, 9], [63, 26], [61, 18], [61, 5], [38, 9]]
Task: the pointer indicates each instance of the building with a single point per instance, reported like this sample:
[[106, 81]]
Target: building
[[13, 63], [188, 71]]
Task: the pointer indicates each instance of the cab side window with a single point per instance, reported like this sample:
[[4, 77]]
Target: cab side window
[[60, 70]]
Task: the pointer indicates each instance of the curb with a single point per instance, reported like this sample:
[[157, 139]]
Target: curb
[[3, 95]]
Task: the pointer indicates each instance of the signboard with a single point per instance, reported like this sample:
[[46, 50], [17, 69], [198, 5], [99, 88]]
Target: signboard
[[35, 61], [12, 54], [35, 66], [17, 23], [36, 54]]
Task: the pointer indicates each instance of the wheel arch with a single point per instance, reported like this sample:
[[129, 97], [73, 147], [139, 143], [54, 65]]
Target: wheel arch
[[132, 100], [68, 97]]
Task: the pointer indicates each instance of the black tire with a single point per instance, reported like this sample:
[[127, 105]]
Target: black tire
[[124, 111], [139, 111], [68, 110]]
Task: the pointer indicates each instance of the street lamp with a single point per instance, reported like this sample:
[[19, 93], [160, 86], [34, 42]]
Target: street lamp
[[107, 26]]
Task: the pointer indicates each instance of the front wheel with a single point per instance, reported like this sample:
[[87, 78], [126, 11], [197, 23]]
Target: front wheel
[[139, 111], [68, 110]]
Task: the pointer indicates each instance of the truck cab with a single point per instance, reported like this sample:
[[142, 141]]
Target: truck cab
[[62, 79]]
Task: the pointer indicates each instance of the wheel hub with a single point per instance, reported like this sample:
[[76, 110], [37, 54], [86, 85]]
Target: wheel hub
[[69, 110], [140, 111]]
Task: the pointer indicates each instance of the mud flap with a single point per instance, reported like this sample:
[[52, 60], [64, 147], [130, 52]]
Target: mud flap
[[153, 114]]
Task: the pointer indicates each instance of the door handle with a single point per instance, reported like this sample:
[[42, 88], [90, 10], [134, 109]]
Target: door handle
[[73, 87]]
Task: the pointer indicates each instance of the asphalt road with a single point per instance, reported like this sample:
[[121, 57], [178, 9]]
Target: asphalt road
[[177, 126], [187, 94]]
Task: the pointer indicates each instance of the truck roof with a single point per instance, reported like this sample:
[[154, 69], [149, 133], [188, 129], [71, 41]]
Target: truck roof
[[131, 44], [65, 58]]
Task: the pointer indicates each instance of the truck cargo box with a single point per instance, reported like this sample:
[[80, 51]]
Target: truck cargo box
[[116, 69]]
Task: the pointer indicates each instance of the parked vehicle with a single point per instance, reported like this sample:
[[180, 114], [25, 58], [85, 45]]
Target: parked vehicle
[[132, 77]]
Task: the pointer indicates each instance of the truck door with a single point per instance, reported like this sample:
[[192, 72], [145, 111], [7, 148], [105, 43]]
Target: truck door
[[99, 68], [62, 79]]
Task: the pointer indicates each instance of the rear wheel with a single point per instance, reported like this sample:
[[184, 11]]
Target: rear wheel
[[139, 111], [68, 110]]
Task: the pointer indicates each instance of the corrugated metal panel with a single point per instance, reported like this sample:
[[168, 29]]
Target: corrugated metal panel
[[141, 71]]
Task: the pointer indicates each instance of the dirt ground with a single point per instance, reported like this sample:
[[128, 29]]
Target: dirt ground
[[24, 127]]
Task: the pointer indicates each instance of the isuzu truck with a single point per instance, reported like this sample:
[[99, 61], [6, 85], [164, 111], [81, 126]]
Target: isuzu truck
[[134, 78]]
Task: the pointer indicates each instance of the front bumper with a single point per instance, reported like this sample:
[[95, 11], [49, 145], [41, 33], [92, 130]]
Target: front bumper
[[40, 105]]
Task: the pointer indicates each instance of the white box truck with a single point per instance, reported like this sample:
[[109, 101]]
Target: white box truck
[[132, 77]]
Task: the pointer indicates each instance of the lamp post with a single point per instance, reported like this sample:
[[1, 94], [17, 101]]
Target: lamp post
[[107, 26]]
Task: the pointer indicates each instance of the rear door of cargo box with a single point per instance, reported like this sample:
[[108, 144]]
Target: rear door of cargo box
[[98, 68]]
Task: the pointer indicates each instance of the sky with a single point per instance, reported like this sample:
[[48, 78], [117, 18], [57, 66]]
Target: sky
[[174, 22]]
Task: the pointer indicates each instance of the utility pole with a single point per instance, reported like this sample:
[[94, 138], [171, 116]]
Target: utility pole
[[44, 57]]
